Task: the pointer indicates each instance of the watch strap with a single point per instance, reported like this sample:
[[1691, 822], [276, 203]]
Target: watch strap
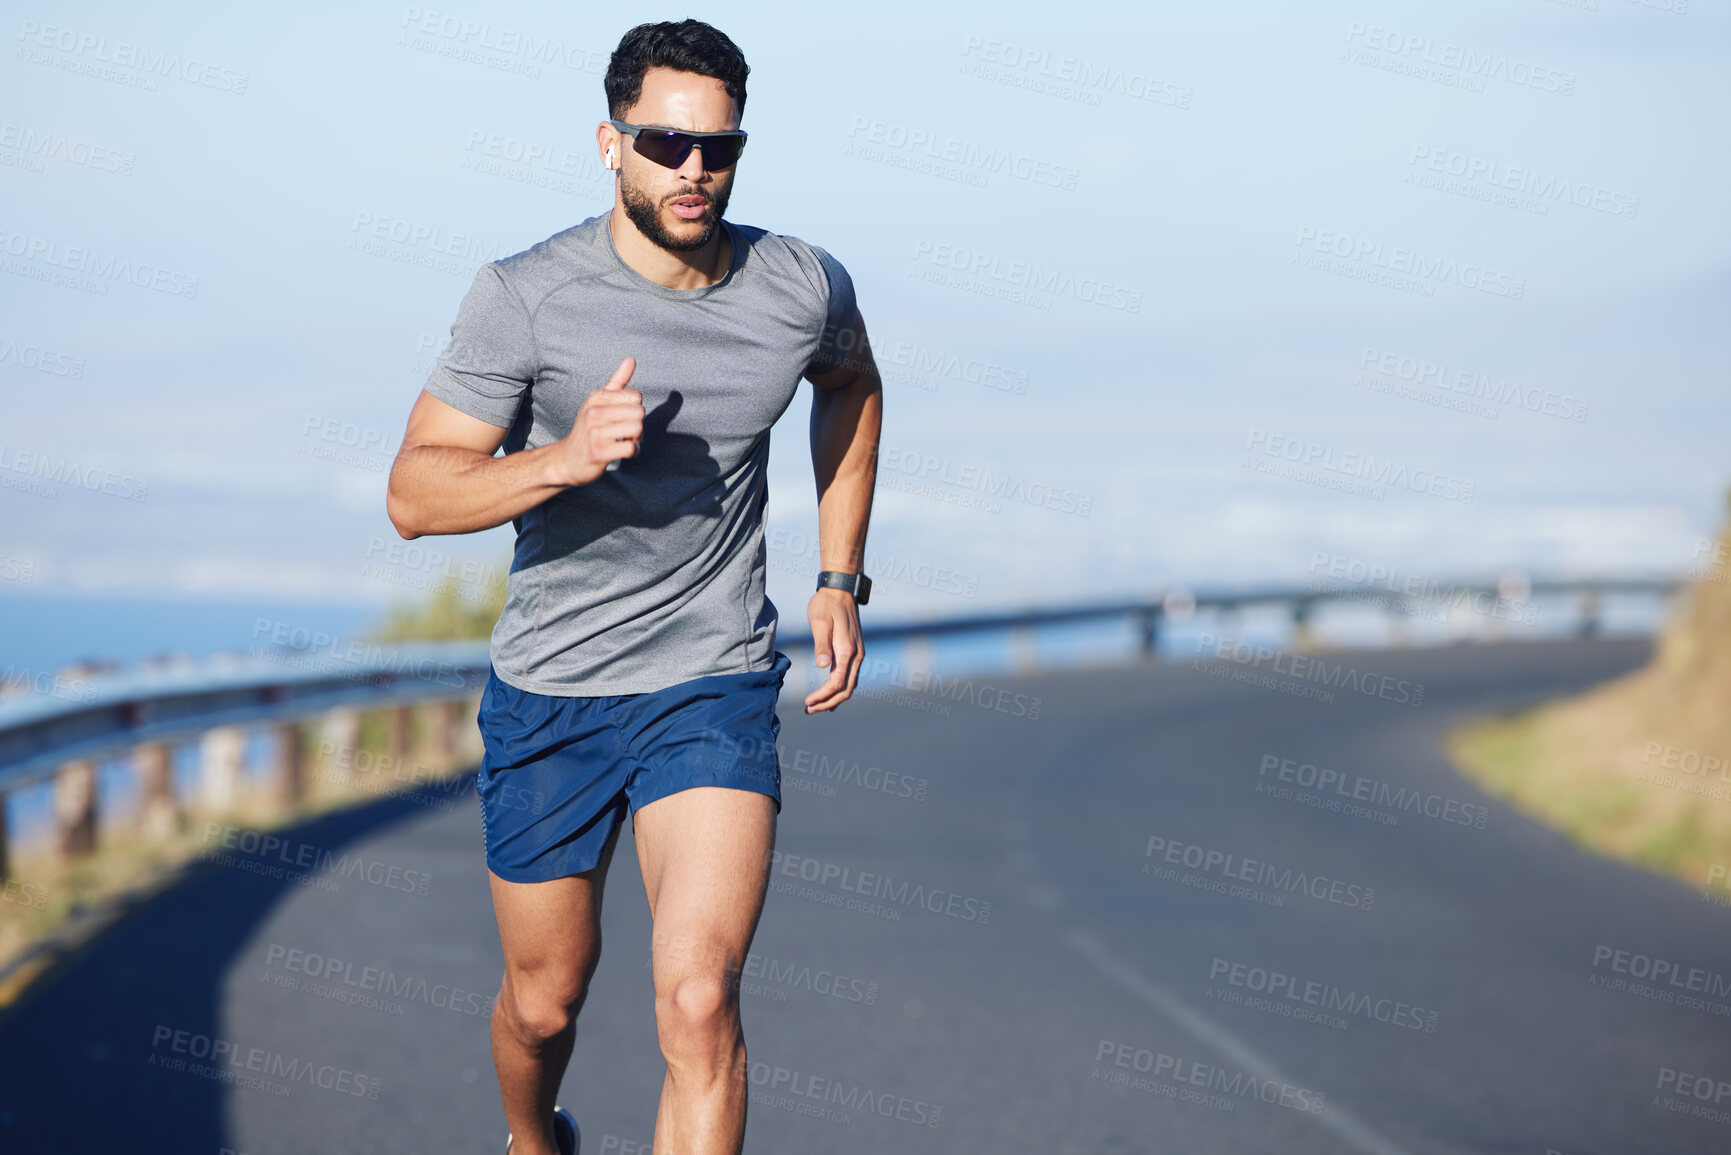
[[857, 584]]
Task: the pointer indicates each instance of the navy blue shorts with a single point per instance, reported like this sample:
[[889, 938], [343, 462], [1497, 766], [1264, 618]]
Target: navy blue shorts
[[560, 774]]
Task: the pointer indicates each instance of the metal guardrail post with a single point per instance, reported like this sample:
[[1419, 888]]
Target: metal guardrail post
[[339, 742], [442, 730], [1149, 620], [75, 809], [288, 775], [399, 731], [158, 809], [221, 755], [1303, 638], [466, 744], [1589, 627]]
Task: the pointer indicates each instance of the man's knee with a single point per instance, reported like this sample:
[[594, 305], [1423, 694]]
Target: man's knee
[[542, 1007], [697, 1010]]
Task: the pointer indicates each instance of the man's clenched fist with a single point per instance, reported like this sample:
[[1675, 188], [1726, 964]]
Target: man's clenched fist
[[609, 427]]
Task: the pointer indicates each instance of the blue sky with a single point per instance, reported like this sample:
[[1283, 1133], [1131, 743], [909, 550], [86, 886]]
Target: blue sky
[[1189, 295]]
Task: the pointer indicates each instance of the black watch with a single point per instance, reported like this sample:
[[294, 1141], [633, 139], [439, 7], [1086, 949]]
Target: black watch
[[857, 584]]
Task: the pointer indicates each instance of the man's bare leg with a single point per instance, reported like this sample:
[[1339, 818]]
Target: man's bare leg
[[705, 859], [551, 934]]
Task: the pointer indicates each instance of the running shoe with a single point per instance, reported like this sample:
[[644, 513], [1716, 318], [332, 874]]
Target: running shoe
[[565, 1133]]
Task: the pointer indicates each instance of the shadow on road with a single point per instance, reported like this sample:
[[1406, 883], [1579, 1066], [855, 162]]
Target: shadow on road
[[88, 1056]]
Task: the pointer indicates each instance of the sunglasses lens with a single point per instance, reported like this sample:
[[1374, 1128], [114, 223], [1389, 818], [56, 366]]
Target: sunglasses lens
[[719, 152], [670, 149], [664, 148]]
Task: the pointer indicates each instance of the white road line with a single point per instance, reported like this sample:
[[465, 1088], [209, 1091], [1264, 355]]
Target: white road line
[[1335, 1118]]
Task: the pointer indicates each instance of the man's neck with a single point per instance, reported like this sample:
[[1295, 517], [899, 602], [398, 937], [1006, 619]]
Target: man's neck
[[696, 269]]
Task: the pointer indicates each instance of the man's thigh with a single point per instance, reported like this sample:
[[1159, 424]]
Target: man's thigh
[[551, 931], [705, 859]]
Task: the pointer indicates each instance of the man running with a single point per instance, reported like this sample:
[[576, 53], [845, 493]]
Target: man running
[[631, 367]]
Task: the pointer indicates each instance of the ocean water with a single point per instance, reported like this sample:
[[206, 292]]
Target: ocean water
[[44, 633]]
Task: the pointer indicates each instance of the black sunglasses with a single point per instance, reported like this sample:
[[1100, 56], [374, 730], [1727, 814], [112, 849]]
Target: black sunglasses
[[669, 148]]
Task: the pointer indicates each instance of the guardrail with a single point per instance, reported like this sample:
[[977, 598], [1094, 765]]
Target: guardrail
[[67, 726]]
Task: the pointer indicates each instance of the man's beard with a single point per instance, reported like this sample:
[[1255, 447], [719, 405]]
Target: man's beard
[[645, 213]]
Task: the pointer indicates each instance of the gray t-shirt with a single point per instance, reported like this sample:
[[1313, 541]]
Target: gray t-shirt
[[654, 573]]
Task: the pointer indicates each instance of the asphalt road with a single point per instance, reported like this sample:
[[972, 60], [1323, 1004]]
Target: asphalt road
[[1171, 960]]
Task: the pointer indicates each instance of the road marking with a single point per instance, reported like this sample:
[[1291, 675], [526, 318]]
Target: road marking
[[1342, 1123]]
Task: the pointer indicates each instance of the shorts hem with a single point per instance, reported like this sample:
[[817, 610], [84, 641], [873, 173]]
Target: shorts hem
[[533, 873], [639, 802]]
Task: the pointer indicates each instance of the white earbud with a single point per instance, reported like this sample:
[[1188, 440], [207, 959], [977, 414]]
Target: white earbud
[[609, 156]]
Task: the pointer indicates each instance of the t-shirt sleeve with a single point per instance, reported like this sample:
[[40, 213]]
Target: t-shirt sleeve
[[842, 324], [490, 360]]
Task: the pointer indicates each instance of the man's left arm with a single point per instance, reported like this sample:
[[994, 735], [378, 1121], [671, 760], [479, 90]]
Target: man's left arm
[[846, 417]]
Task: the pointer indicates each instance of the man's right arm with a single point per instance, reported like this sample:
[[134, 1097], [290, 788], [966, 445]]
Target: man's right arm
[[446, 480]]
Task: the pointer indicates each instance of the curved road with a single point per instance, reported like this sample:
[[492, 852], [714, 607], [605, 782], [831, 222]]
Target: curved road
[[1121, 926]]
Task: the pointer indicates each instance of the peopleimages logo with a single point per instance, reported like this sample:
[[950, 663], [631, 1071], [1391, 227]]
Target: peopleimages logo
[[103, 267], [466, 36], [356, 984], [1311, 668], [1068, 77], [788, 547], [307, 648], [1358, 788], [932, 686], [1256, 872], [908, 894], [1393, 589], [230, 1062], [919, 359], [1360, 467], [1411, 263], [1468, 63], [801, 1093], [1662, 972], [837, 769], [926, 468], [16, 679], [1523, 179], [42, 360], [86, 51], [927, 144], [64, 471], [1472, 384], [989, 267], [800, 976], [23, 894], [1233, 1086], [1327, 998], [550, 158], [282, 856], [419, 243], [40, 145]]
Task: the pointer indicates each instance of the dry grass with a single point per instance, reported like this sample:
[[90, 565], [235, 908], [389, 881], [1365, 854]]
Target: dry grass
[[1628, 769], [45, 895]]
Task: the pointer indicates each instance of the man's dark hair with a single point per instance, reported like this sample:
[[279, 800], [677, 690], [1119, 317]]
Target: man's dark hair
[[688, 46]]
